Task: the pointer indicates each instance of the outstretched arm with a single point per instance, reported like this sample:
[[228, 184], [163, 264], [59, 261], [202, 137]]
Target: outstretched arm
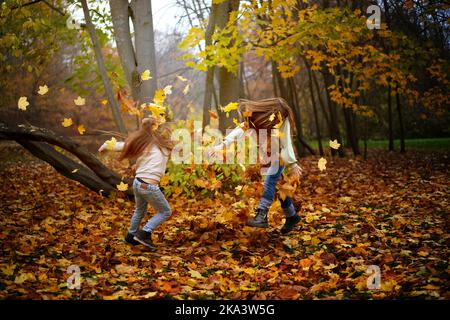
[[287, 151], [235, 134], [118, 146]]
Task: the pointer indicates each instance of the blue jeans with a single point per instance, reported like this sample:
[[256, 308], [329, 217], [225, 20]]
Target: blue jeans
[[268, 195], [155, 197]]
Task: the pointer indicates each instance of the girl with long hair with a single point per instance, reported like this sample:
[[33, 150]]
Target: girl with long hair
[[269, 114], [150, 147]]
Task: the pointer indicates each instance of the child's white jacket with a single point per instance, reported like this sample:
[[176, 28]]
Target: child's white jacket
[[287, 153]]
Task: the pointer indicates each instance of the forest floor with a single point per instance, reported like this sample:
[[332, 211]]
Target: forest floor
[[391, 211]]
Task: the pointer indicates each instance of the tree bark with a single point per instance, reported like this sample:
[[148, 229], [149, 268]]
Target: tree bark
[[145, 48], [334, 120], [92, 173], [66, 166], [228, 81], [390, 128], [122, 35], [103, 73], [316, 119], [400, 120], [209, 81]]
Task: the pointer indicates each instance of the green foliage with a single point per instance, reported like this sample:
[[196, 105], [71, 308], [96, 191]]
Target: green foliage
[[335, 40], [30, 36], [204, 180]]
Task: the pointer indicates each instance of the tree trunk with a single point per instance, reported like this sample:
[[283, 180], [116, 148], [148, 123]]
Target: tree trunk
[[228, 81], [145, 48], [288, 92], [351, 134], [120, 13], [334, 121], [92, 172], [101, 66], [209, 80], [390, 128], [316, 119], [400, 120]]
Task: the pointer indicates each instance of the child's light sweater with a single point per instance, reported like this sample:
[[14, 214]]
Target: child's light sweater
[[287, 153], [151, 164]]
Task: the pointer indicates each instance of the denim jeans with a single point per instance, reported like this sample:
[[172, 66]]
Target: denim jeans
[[268, 195], [155, 197]]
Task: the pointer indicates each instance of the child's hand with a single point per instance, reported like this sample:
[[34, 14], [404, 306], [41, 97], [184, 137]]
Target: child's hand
[[295, 171], [102, 147], [215, 150]]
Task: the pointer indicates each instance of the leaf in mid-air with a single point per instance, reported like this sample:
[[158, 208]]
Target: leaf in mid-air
[[230, 107], [67, 122], [322, 164], [159, 97], [23, 103], [111, 143], [167, 90], [335, 144], [81, 129], [146, 75], [43, 90], [79, 101], [186, 90], [122, 186]]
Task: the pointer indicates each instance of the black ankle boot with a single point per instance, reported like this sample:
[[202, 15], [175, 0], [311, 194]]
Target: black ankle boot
[[129, 238], [145, 238], [260, 219], [290, 223]]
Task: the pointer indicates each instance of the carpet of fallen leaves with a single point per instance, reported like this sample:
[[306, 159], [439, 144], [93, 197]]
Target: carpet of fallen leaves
[[390, 211]]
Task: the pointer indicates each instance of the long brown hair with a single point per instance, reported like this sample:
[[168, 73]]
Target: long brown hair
[[258, 113], [139, 140]]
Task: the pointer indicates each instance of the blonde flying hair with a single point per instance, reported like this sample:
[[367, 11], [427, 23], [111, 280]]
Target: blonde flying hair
[[151, 132], [258, 113]]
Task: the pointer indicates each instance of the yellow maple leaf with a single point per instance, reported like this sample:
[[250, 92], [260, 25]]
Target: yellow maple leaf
[[122, 186], [306, 237], [8, 270], [167, 90], [81, 129], [155, 109], [280, 121], [286, 190], [195, 274], [322, 164], [111, 143], [150, 295], [146, 75], [67, 122], [22, 277], [213, 115], [186, 90], [272, 117], [23, 103], [278, 133], [335, 144], [104, 102], [43, 90], [79, 101], [159, 97], [230, 107]]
